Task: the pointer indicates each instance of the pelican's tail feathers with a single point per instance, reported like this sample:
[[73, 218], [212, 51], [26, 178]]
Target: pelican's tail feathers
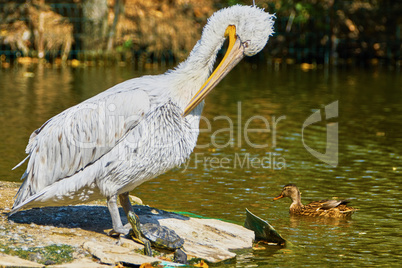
[[23, 192], [18, 205], [20, 163], [76, 189]]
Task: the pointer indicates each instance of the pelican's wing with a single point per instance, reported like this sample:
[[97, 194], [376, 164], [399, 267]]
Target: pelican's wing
[[80, 135]]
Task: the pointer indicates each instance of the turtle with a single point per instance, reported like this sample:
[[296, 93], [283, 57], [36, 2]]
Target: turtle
[[156, 235]]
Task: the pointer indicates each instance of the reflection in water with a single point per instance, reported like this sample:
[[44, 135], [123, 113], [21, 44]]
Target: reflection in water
[[368, 173], [296, 220]]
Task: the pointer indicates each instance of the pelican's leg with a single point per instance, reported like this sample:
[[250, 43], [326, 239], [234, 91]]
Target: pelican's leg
[[114, 213], [125, 203]]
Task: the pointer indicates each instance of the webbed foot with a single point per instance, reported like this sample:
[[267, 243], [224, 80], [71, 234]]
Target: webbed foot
[[124, 230]]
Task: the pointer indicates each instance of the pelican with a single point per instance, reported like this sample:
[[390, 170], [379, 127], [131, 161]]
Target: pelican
[[106, 146]]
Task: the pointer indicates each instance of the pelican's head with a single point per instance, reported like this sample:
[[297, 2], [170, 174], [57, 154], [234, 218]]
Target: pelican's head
[[252, 27], [247, 28]]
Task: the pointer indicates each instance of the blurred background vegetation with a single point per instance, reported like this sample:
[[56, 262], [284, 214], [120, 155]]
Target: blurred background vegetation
[[359, 32]]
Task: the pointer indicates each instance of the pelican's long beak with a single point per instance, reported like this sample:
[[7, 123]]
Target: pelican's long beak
[[278, 197], [233, 56]]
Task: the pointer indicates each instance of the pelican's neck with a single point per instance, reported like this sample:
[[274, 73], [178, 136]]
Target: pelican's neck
[[191, 74], [203, 56]]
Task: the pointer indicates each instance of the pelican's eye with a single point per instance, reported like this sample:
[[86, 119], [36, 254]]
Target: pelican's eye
[[246, 44]]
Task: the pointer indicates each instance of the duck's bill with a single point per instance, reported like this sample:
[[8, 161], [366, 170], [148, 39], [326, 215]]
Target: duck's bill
[[278, 197], [233, 56]]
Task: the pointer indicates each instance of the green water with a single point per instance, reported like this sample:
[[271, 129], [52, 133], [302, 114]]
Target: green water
[[231, 171]]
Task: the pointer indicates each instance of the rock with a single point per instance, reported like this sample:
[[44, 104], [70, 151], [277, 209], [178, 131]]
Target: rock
[[79, 264], [207, 239], [136, 200], [81, 226], [211, 239], [263, 230], [129, 243], [111, 254], [12, 261]]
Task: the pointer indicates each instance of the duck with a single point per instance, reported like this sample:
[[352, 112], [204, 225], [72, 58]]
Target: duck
[[323, 208]]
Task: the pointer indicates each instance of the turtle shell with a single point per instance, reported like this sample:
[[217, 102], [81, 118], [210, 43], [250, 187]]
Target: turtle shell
[[161, 236]]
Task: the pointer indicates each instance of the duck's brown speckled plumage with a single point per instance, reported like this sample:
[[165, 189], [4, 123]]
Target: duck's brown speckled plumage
[[323, 208]]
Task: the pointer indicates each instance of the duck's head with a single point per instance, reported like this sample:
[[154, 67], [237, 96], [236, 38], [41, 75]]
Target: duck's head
[[291, 191]]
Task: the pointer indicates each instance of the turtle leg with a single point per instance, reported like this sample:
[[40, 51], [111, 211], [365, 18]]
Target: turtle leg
[[147, 247], [116, 220], [135, 232], [180, 256]]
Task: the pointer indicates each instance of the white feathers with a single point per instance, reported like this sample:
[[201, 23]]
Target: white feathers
[[20, 163], [252, 24], [80, 135]]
